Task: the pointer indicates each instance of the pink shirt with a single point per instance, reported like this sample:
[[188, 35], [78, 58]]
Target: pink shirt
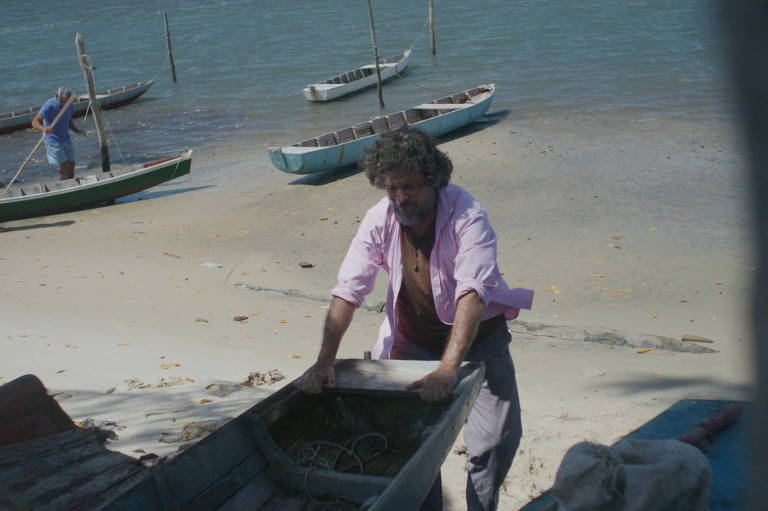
[[463, 259]]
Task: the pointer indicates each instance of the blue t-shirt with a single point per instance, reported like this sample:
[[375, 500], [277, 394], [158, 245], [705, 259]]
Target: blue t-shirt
[[49, 111]]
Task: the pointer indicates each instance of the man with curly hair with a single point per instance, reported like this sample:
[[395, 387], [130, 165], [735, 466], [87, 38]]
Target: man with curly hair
[[446, 299]]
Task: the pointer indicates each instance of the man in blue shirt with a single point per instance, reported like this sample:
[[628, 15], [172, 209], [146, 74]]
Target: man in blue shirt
[[57, 142]]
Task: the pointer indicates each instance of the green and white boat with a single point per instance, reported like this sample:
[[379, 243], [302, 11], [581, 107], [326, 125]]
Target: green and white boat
[[38, 199]]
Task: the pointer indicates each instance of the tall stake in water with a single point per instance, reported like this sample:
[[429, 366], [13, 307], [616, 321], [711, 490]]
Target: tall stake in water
[[375, 56], [168, 43], [431, 28], [94, 106]]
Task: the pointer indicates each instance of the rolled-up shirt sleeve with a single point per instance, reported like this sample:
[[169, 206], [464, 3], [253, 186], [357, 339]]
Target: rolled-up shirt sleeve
[[358, 271], [475, 265]]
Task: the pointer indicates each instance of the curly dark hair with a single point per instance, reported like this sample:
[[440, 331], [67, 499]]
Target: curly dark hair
[[406, 148]]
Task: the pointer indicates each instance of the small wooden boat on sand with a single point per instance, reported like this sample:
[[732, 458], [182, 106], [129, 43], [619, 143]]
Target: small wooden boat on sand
[[358, 78], [344, 146], [368, 444], [21, 117], [30, 200]]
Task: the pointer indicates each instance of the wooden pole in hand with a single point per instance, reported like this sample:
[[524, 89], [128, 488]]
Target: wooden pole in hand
[[375, 55], [431, 28], [91, 88], [40, 141], [168, 43]]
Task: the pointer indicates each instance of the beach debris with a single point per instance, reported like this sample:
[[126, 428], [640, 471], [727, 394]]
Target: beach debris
[[201, 320], [294, 355], [695, 338], [654, 316], [644, 350], [305, 264], [263, 378], [205, 400], [149, 460], [171, 255], [221, 389], [283, 321], [596, 275], [617, 237], [60, 371], [614, 245], [170, 365], [655, 374], [169, 381], [100, 432], [553, 289], [212, 265], [240, 318]]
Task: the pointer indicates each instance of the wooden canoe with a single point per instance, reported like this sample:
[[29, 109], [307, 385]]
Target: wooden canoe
[[21, 117], [282, 453], [358, 78], [344, 146], [30, 200]]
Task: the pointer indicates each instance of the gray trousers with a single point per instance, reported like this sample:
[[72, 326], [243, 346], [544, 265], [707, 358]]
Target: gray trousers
[[493, 429]]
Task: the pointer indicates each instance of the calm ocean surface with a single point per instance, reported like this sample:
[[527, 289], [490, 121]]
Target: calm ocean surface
[[241, 65]]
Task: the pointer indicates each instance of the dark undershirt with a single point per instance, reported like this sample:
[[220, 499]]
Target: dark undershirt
[[417, 317]]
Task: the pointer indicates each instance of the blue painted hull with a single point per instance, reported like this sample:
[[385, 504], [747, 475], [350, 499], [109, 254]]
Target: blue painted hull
[[308, 160]]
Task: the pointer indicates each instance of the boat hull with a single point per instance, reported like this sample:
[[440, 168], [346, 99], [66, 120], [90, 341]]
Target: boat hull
[[309, 160], [21, 118], [56, 197], [329, 91]]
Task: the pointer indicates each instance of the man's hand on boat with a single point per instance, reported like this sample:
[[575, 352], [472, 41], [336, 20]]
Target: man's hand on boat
[[437, 385], [313, 379]]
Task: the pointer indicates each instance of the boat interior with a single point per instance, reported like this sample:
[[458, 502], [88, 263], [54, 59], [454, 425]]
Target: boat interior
[[396, 120], [363, 71]]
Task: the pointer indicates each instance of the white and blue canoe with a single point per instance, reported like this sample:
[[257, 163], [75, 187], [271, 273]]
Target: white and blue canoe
[[344, 147], [359, 78]]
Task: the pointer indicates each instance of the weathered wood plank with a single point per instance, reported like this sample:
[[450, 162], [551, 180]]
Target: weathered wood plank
[[39, 490], [199, 467], [50, 463], [92, 492], [251, 496], [28, 412], [228, 485], [11, 454]]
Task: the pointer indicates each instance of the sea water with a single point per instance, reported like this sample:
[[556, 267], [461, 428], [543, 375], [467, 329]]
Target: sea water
[[241, 65]]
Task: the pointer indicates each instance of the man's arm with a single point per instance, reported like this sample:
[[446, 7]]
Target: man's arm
[[438, 384], [336, 323], [37, 123]]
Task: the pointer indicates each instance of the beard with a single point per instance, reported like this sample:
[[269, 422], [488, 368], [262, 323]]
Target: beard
[[411, 212]]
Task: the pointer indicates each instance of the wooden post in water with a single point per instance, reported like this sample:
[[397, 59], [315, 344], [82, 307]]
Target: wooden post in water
[[168, 43], [91, 90], [431, 28], [375, 55]]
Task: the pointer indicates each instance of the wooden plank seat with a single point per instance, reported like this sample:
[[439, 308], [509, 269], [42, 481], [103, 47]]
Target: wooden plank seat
[[443, 106]]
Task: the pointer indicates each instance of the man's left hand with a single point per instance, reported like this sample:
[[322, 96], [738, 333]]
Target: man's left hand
[[436, 386], [82, 133]]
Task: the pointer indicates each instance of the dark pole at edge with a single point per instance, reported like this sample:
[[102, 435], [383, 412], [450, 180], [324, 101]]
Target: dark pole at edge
[[168, 43]]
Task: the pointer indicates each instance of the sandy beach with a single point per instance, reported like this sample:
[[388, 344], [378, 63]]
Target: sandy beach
[[641, 227]]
